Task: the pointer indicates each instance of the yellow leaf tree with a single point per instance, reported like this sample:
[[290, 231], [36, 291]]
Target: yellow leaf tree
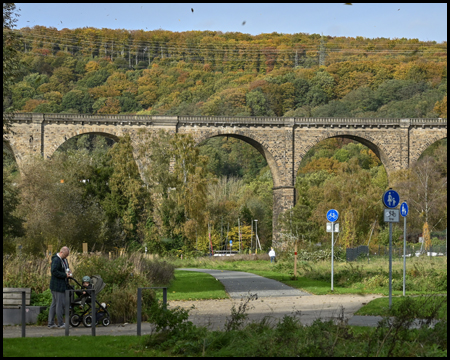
[[426, 236]]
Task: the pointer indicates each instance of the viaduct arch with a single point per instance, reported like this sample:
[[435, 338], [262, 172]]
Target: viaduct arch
[[282, 141]]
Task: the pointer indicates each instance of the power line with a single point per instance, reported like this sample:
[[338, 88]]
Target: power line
[[130, 36], [227, 57], [174, 52], [213, 47]]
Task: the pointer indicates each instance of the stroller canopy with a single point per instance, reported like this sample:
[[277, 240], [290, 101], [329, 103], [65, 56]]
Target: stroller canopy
[[97, 283]]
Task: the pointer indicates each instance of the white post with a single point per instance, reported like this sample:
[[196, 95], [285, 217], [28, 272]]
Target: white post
[[256, 235]]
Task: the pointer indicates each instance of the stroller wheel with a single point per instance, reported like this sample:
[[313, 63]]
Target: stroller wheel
[[87, 320], [75, 320], [106, 321]]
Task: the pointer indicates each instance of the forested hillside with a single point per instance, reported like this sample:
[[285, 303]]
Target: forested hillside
[[91, 189], [212, 73]]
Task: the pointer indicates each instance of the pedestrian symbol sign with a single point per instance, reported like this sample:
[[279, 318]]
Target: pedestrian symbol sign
[[404, 209], [391, 198]]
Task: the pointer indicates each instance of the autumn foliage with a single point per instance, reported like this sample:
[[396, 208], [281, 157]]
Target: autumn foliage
[[213, 73]]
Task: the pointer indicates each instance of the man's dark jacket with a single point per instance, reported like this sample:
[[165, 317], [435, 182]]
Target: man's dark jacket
[[58, 281]]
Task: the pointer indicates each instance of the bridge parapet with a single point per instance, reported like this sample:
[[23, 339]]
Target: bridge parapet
[[227, 120]]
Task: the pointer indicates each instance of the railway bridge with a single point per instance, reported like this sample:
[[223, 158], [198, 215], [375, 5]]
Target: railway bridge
[[282, 141]]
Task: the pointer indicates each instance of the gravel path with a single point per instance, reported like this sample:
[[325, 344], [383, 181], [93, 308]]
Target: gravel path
[[238, 284]]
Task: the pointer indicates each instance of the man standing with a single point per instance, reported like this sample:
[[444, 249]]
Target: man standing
[[58, 285], [272, 255]]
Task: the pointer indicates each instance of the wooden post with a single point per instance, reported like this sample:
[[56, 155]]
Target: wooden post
[[85, 248], [110, 255], [49, 251], [295, 260]]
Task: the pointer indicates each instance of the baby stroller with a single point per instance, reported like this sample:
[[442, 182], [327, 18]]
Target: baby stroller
[[80, 307]]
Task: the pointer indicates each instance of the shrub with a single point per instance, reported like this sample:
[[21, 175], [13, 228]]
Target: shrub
[[122, 276], [238, 316], [26, 271], [393, 331], [314, 256], [42, 299], [173, 330]]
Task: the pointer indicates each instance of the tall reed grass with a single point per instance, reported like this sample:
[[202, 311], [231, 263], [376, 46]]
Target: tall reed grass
[[122, 276]]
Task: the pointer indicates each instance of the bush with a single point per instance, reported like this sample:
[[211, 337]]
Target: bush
[[42, 299], [393, 331], [122, 276], [176, 335], [26, 271], [173, 330], [314, 256]]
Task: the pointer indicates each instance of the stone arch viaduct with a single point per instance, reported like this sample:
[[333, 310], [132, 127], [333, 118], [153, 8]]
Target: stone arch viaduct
[[282, 141]]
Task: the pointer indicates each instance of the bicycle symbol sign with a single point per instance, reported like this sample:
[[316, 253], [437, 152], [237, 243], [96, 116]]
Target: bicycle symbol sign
[[332, 215]]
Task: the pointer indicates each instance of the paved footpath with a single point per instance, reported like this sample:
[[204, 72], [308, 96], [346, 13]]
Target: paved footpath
[[238, 284]]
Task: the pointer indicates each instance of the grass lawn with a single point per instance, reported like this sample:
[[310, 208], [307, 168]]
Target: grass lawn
[[349, 278], [191, 285], [99, 346], [254, 340], [380, 306], [320, 287], [316, 287], [107, 346]]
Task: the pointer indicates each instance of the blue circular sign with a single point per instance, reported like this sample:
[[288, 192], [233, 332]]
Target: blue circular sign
[[332, 215], [404, 209], [391, 198], [231, 242]]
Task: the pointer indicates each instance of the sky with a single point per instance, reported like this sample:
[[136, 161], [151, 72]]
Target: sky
[[426, 22]]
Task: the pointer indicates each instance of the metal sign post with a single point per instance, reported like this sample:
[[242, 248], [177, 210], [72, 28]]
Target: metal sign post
[[391, 200], [404, 212], [332, 216]]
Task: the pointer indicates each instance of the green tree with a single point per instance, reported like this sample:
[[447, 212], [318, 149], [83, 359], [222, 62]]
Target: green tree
[[353, 194], [296, 223], [12, 224], [78, 100], [53, 206], [257, 102], [128, 202], [424, 187], [180, 193], [11, 64]]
